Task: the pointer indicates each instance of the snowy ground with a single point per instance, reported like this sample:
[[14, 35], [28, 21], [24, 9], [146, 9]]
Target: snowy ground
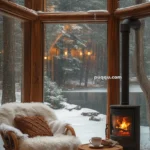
[[84, 127]]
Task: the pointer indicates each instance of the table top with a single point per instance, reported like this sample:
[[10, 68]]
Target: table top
[[86, 147]]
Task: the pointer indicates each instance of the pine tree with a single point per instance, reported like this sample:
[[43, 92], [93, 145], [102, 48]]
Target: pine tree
[[53, 94]]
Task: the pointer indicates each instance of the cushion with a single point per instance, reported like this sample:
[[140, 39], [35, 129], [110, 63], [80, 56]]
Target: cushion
[[33, 125]]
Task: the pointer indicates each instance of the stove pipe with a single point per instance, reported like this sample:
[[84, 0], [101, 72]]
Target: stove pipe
[[125, 30]]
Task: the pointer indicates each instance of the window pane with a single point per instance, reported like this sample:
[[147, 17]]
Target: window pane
[[20, 2], [11, 59], [136, 95], [127, 3], [75, 5], [75, 56]]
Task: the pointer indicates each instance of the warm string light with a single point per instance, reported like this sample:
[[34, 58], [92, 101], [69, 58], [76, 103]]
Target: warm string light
[[81, 53], [88, 53], [45, 57], [66, 53]]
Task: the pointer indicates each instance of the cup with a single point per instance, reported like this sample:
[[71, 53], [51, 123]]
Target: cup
[[95, 141]]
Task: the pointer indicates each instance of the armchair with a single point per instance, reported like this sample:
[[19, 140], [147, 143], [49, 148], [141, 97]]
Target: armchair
[[66, 140]]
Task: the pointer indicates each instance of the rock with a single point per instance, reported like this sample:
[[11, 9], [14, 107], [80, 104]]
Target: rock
[[94, 119], [90, 113]]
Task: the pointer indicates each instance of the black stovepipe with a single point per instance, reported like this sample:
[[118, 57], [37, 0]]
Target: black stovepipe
[[125, 30]]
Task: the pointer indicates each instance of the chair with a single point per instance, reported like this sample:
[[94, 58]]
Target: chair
[[12, 141]]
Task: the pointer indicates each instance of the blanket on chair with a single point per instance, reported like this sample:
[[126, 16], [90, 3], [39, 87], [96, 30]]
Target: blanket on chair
[[57, 142]]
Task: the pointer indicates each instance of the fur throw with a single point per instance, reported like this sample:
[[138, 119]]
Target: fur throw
[[4, 128], [57, 142], [57, 127], [10, 110], [61, 142]]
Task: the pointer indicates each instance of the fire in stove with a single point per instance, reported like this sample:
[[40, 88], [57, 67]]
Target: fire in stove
[[121, 126]]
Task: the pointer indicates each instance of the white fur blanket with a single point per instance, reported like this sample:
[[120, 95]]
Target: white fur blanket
[[56, 142], [59, 142], [57, 127], [10, 110], [5, 128]]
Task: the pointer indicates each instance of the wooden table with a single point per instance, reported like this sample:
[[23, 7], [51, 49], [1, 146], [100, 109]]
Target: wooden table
[[86, 147]]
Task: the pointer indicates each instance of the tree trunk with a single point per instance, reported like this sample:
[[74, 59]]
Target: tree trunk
[[141, 75], [8, 94]]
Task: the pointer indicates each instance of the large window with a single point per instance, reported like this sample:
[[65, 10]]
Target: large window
[[136, 95], [75, 56], [11, 59], [20, 2], [127, 3], [75, 5]]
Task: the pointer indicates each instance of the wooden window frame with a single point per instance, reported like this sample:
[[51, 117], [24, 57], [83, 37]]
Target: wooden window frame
[[136, 11], [17, 11]]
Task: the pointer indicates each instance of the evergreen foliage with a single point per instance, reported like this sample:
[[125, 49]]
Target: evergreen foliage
[[76, 5], [53, 94]]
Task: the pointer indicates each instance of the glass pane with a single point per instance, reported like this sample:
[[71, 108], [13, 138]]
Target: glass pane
[[20, 2], [75, 56], [11, 59], [127, 3], [136, 95], [75, 5]]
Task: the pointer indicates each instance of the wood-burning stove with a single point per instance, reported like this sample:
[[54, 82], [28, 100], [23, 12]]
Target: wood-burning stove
[[125, 126], [125, 119]]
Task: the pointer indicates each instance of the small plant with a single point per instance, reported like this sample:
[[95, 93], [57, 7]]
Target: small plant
[[53, 94]]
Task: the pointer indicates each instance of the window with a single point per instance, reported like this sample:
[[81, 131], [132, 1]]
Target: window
[[127, 3], [20, 2], [136, 95], [11, 59], [75, 57], [75, 5]]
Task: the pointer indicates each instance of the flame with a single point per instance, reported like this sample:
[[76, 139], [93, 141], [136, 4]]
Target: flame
[[123, 125]]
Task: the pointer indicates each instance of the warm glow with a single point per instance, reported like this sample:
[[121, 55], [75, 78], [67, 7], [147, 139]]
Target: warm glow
[[89, 53], [45, 57], [81, 53], [122, 126], [49, 58], [66, 53]]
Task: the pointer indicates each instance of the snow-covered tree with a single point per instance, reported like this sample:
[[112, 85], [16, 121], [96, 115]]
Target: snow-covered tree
[[53, 94]]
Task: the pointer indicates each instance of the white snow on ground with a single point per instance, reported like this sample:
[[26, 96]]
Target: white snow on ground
[[84, 128], [145, 138], [69, 106]]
